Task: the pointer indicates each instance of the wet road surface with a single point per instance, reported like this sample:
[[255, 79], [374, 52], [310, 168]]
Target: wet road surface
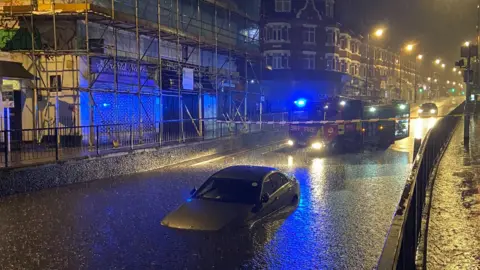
[[345, 210]]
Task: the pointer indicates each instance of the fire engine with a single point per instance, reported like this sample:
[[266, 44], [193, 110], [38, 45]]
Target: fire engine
[[341, 124]]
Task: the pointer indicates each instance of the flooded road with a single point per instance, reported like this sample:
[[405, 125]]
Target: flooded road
[[345, 210]]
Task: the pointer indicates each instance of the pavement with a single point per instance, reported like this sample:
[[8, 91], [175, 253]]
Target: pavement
[[345, 210], [453, 240]]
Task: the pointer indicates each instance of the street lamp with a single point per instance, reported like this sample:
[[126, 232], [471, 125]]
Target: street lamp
[[448, 82], [443, 65], [454, 69], [377, 33], [454, 83], [467, 43], [409, 47], [459, 73], [435, 80], [420, 57], [438, 61], [429, 79]]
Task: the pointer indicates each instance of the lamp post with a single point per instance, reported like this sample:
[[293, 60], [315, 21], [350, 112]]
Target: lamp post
[[417, 59], [377, 33]]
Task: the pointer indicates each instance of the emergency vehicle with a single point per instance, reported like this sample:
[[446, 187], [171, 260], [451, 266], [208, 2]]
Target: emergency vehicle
[[342, 124]]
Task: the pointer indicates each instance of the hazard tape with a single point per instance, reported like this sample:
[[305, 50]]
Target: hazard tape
[[336, 121]]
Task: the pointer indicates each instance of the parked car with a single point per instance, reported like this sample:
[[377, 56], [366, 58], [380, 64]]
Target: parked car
[[428, 110], [235, 197]]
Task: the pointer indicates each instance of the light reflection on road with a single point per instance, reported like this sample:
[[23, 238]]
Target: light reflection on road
[[420, 126]]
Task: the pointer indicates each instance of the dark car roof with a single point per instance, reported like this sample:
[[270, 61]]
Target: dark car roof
[[249, 173]]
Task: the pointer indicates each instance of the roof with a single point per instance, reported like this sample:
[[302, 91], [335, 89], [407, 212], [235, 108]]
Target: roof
[[249, 173], [14, 70]]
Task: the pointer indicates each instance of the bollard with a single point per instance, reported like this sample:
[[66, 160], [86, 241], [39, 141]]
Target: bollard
[[416, 146]]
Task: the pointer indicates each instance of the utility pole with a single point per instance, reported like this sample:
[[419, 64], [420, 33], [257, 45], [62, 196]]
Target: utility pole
[[468, 51]]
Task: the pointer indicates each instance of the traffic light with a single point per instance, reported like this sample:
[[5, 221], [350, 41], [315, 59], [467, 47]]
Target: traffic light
[[420, 90], [453, 90], [463, 93]]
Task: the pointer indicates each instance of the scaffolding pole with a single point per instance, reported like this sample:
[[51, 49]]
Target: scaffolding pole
[[216, 54], [181, 137], [159, 69], [200, 89]]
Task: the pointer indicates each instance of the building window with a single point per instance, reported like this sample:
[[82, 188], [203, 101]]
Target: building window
[[329, 9], [278, 61], [330, 64], [343, 67], [352, 69], [309, 60], [330, 39], [309, 34], [283, 5], [277, 33], [343, 43]]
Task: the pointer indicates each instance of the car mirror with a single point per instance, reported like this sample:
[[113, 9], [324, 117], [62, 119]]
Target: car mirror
[[265, 198], [193, 191]]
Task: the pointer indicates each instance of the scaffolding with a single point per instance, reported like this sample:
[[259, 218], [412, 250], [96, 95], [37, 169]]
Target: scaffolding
[[165, 64]]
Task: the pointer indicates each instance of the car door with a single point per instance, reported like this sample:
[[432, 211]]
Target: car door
[[274, 186]]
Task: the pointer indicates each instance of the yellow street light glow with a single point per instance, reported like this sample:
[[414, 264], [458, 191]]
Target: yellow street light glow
[[454, 83], [459, 73], [454, 69], [443, 65], [467, 43], [420, 57], [409, 47], [438, 61], [429, 79], [448, 82], [435, 80], [379, 32]]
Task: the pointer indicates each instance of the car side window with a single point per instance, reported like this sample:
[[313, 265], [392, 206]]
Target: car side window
[[274, 182]]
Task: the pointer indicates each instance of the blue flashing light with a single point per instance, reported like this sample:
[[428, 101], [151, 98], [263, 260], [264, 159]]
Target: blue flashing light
[[301, 102], [105, 105], [189, 199]]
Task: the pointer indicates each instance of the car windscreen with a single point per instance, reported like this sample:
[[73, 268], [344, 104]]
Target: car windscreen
[[428, 106], [230, 190]]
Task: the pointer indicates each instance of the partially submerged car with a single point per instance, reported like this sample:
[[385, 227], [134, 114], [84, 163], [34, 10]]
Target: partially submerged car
[[237, 196]]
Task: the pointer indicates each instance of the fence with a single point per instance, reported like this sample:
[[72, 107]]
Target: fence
[[32, 146], [403, 239]]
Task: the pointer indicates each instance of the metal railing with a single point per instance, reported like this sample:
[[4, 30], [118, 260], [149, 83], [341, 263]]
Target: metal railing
[[33, 146], [404, 236]]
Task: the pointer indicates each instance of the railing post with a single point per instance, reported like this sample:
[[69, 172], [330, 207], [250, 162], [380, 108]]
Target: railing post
[[131, 136], [56, 143], [5, 140], [97, 146]]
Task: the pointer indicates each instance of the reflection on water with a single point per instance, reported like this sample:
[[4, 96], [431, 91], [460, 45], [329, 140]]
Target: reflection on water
[[422, 126]]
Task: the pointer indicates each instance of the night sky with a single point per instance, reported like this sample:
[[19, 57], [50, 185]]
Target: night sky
[[439, 26]]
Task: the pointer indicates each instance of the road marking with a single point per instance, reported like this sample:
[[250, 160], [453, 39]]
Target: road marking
[[208, 161]]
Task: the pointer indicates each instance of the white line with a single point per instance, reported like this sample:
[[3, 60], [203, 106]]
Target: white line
[[208, 161]]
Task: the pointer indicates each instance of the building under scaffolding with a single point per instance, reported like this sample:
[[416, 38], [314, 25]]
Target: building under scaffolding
[[163, 64]]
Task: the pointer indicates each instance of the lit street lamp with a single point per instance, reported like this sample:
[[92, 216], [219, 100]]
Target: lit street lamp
[[454, 69], [438, 61], [420, 57], [467, 44], [443, 65], [429, 79], [377, 33], [448, 82]]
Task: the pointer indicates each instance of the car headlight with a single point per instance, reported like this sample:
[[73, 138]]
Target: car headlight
[[420, 110], [317, 145], [433, 111], [290, 142]]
